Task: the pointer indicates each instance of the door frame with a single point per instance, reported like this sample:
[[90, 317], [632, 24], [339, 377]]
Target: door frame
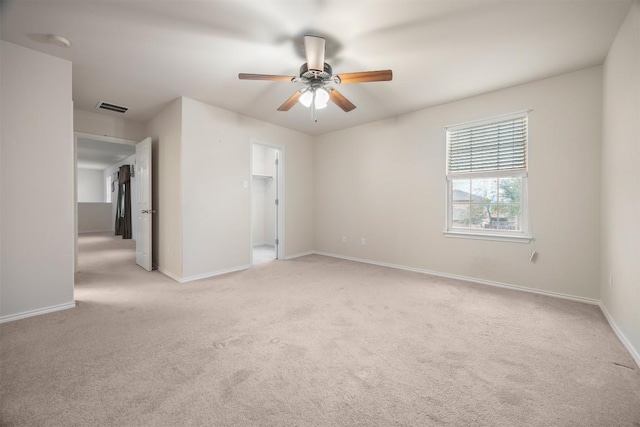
[[94, 137], [280, 223]]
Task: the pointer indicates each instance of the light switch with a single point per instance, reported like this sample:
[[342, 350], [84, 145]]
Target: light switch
[[245, 183]]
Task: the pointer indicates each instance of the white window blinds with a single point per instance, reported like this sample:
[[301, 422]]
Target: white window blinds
[[491, 145]]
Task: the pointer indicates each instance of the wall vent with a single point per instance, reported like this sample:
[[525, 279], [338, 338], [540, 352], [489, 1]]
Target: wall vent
[[112, 107]]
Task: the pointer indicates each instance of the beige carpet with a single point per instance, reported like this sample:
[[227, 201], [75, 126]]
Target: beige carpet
[[306, 342]]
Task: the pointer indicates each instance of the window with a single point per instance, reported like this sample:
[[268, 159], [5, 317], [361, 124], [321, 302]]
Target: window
[[108, 190], [487, 179]]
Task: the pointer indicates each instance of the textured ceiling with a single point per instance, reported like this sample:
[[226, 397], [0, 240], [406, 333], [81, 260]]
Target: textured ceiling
[[143, 54]]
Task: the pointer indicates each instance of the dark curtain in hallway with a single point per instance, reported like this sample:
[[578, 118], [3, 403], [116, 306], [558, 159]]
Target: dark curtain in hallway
[[123, 210]]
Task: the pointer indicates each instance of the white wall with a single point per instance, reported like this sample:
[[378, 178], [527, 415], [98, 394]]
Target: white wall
[[621, 183], [258, 192], [104, 124], [36, 222], [385, 181], [216, 207], [95, 217], [165, 130], [91, 187]]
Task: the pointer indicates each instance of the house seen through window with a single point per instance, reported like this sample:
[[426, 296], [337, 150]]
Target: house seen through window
[[487, 178]]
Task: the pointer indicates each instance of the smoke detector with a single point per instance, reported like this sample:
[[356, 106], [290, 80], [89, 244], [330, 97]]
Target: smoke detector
[[58, 40]]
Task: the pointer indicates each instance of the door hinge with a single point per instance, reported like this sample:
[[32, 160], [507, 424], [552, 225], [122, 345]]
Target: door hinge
[[277, 161], [277, 202], [277, 242]]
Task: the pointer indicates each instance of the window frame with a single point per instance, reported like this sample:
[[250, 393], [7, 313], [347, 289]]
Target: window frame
[[520, 236]]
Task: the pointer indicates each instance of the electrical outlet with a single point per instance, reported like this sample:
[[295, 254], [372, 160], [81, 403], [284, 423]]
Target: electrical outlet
[[344, 239], [363, 241]]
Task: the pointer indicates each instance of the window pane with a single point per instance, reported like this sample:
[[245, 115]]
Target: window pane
[[510, 190], [484, 190], [479, 216], [107, 194], [503, 217], [485, 214], [460, 215], [509, 216], [461, 190]]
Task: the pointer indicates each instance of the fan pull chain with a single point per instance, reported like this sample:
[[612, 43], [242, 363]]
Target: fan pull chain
[[314, 115]]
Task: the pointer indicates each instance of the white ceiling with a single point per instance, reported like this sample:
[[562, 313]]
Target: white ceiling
[[93, 154], [143, 54]]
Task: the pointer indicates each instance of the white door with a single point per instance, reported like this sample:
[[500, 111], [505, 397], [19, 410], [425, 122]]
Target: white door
[[142, 207]]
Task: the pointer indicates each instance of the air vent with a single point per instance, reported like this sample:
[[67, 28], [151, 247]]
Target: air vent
[[112, 107]]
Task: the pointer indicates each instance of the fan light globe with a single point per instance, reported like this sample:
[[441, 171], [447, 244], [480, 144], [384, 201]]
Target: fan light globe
[[306, 98], [322, 98]]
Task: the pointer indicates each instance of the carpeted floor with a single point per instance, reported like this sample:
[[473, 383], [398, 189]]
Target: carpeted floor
[[314, 341]]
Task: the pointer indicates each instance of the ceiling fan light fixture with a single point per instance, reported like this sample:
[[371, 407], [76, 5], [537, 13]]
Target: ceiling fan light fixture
[[315, 75], [318, 96], [307, 98]]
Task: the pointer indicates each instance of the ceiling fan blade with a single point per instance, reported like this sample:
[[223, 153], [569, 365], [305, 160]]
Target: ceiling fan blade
[[366, 76], [314, 49], [286, 106], [342, 102], [245, 76]]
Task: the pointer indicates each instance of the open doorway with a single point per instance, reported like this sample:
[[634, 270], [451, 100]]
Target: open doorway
[[98, 162], [266, 202]]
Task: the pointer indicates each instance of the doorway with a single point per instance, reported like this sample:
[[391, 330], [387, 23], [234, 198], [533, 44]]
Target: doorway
[[113, 175], [266, 202]]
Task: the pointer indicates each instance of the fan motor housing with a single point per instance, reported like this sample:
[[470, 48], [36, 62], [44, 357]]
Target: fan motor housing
[[323, 75]]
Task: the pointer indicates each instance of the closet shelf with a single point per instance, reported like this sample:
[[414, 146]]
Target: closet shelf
[[263, 177]]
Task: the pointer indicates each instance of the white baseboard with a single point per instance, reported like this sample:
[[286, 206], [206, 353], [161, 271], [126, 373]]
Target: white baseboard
[[635, 354], [255, 245], [168, 274], [37, 312], [301, 255], [467, 279], [214, 273], [202, 276]]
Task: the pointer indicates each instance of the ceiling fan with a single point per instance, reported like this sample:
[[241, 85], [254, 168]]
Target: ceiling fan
[[316, 75]]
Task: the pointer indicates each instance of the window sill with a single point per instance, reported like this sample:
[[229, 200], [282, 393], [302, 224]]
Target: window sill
[[489, 236]]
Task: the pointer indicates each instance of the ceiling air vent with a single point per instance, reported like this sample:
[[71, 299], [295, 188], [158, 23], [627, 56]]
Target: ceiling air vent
[[112, 107]]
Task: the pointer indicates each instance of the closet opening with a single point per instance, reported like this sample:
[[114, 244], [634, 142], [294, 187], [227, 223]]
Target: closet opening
[[266, 202]]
